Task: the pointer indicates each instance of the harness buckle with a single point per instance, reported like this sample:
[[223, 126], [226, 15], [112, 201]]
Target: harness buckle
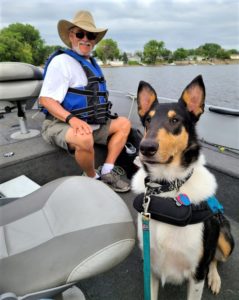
[[101, 79]]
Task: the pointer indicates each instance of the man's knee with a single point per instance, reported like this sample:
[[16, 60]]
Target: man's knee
[[124, 125], [84, 143]]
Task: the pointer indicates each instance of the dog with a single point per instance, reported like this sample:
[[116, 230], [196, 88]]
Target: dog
[[170, 153]]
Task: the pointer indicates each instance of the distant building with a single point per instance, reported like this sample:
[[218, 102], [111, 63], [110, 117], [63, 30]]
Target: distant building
[[196, 58], [234, 56], [133, 57], [116, 63]]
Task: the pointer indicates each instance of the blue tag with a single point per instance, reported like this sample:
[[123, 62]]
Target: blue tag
[[215, 205], [183, 199]]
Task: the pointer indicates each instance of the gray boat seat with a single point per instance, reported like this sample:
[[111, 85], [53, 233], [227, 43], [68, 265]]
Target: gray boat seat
[[19, 83], [69, 229]]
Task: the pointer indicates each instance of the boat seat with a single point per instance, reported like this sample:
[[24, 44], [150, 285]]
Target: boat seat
[[69, 229], [19, 83]]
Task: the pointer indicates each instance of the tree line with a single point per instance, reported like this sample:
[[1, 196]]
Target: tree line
[[23, 43]]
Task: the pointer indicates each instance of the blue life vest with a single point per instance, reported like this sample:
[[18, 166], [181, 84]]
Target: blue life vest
[[89, 103]]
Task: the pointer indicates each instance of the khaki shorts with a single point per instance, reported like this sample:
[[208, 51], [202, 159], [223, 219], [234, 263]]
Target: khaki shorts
[[54, 132]]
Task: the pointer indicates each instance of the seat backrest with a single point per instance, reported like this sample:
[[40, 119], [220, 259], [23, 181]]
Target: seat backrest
[[19, 81], [14, 71]]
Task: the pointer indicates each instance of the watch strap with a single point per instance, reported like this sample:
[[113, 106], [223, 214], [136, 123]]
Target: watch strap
[[70, 116]]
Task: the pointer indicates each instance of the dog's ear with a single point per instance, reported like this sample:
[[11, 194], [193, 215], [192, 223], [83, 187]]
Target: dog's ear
[[146, 97], [193, 97]]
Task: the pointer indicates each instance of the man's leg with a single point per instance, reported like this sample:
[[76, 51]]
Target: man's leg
[[84, 151], [118, 131]]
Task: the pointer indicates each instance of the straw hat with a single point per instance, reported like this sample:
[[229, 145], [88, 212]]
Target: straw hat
[[84, 20]]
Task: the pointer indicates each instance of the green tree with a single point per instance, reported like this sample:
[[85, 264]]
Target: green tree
[[191, 52], [48, 50], [166, 54], [125, 58], [233, 51], [107, 50], [223, 54], [208, 50], [152, 50], [12, 49], [21, 42], [139, 54], [180, 54]]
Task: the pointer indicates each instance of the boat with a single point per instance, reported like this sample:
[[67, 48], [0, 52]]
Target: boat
[[27, 161]]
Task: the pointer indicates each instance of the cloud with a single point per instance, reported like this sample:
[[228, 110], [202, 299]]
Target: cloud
[[179, 23]]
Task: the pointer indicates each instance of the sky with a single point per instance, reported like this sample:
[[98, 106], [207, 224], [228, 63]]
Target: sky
[[132, 23]]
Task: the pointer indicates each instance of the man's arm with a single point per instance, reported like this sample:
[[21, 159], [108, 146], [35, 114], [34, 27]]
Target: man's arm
[[58, 111], [54, 108]]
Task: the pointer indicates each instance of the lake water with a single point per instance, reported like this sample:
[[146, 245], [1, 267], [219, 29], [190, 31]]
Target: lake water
[[221, 81]]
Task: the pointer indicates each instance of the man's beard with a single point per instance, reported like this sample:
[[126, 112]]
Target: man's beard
[[77, 48]]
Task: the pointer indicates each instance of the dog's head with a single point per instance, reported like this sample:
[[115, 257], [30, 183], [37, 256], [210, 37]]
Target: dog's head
[[170, 136]]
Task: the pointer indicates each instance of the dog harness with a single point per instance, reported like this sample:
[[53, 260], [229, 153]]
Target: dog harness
[[177, 211], [89, 103]]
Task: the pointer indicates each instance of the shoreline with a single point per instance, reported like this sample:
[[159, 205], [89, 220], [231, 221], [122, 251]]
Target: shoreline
[[214, 62]]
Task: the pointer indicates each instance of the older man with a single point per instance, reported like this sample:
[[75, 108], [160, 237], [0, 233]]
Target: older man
[[75, 99]]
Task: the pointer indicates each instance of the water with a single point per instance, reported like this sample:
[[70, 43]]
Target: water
[[221, 81]]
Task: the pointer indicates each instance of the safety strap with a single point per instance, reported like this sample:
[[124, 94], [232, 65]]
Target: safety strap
[[88, 92], [98, 111], [92, 108], [179, 211]]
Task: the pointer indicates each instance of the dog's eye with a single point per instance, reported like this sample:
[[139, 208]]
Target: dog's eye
[[174, 120], [148, 119]]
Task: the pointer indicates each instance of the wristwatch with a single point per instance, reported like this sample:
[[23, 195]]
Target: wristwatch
[[70, 116]]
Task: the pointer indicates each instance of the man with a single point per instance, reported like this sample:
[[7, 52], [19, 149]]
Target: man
[[76, 104]]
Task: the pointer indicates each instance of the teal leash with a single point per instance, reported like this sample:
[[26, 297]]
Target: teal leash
[[146, 248]]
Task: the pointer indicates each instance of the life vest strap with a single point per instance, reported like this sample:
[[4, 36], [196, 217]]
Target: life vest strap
[[88, 92], [92, 108], [96, 79]]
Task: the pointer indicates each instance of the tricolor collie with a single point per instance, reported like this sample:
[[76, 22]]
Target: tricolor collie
[[170, 157]]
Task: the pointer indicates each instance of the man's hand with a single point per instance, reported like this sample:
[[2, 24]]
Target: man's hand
[[55, 109], [80, 126]]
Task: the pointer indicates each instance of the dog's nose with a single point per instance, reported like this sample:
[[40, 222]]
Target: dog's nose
[[148, 147]]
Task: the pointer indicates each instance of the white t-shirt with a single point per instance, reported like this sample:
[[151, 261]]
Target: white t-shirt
[[63, 72]]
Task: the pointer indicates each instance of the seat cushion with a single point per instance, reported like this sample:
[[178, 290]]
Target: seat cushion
[[20, 90], [70, 229]]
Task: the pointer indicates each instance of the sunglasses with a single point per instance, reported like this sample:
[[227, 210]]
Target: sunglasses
[[90, 35]]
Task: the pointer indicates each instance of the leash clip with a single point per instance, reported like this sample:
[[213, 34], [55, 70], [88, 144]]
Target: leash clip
[[145, 204]]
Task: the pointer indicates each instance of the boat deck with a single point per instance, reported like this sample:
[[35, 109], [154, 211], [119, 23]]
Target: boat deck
[[42, 163]]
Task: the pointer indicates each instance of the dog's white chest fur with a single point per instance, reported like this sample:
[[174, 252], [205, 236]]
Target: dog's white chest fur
[[175, 251]]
